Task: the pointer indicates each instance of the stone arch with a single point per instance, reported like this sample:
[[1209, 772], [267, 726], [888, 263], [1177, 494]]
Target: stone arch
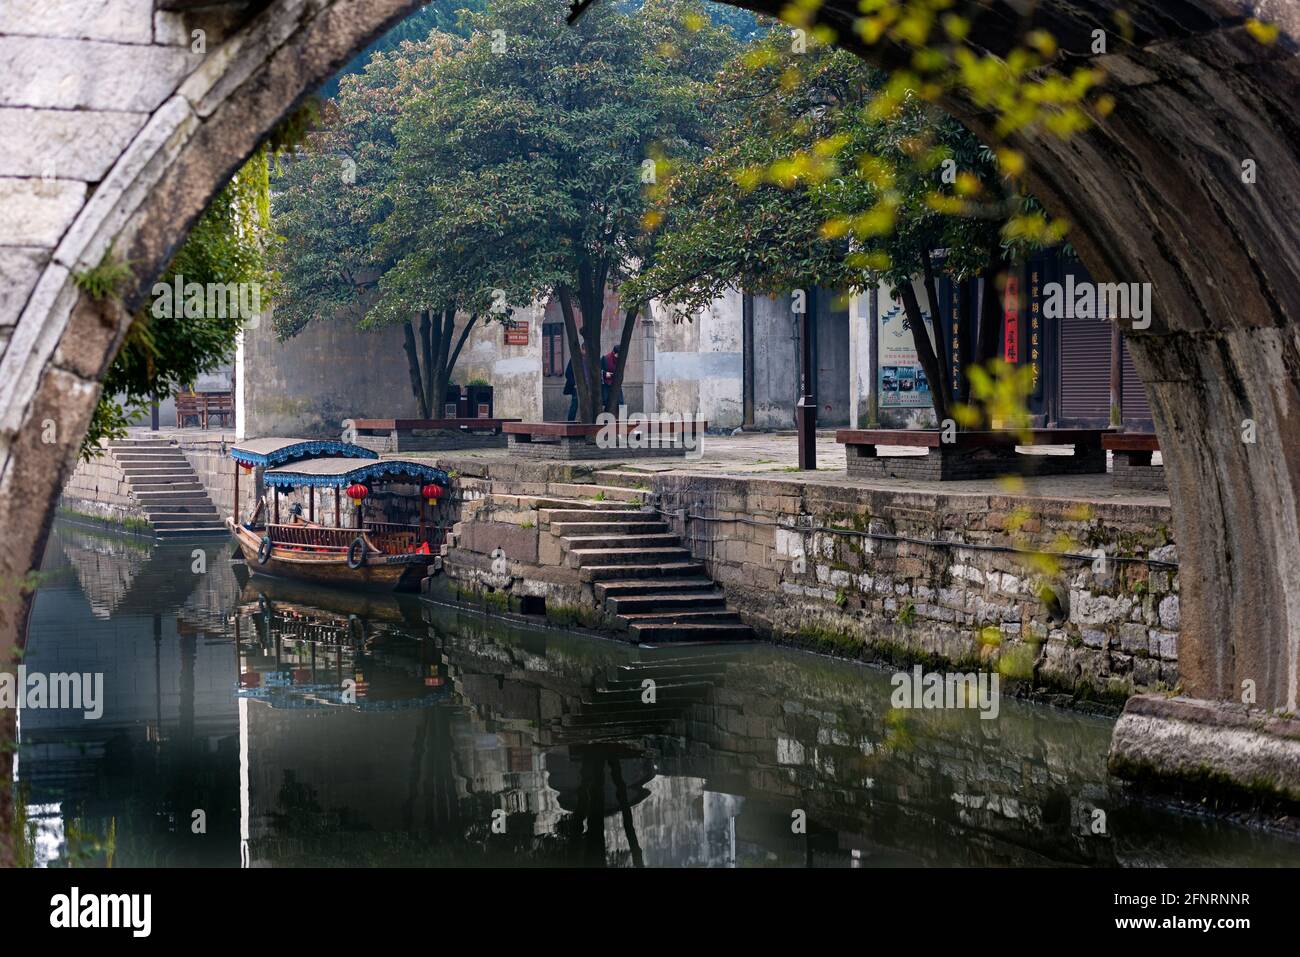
[[1154, 191]]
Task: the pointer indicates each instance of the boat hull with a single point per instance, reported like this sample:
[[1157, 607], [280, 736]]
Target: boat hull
[[379, 571]]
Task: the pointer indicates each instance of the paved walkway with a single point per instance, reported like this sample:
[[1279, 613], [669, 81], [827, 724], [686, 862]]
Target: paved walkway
[[136, 433], [775, 454]]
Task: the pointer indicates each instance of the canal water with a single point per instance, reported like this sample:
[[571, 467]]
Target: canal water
[[254, 723]]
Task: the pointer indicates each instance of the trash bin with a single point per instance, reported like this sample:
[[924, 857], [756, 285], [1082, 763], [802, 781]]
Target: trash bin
[[479, 401]]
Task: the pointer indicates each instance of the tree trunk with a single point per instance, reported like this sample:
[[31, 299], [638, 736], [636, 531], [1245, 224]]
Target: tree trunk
[[440, 329], [580, 381], [448, 353], [624, 342], [925, 351], [470, 323], [426, 346], [413, 366], [591, 303]]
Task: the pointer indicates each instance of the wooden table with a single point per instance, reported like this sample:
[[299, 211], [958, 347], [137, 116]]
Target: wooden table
[[971, 455]]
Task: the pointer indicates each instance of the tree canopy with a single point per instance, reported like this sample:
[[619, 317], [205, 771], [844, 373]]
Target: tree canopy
[[460, 174], [164, 354], [809, 182]]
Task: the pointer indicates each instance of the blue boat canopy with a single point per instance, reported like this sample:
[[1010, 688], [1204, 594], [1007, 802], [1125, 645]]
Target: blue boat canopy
[[272, 452], [340, 473]]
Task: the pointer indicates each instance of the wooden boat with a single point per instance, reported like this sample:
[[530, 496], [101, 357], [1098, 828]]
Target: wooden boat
[[372, 554]]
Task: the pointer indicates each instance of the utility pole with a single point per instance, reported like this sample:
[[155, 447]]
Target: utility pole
[[806, 410]]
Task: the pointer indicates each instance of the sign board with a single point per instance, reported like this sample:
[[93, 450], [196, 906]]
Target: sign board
[[902, 383], [517, 332]]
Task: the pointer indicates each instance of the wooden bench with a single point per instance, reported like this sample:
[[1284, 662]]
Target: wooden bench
[[970, 455], [1132, 453], [404, 435], [632, 438], [219, 405], [202, 407]]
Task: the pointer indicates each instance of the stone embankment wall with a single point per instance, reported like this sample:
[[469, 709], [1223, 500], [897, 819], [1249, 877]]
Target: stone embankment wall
[[501, 553], [99, 488], [996, 580], [1072, 597], [210, 459]]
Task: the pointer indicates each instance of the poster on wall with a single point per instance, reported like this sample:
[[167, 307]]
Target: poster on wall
[[902, 384]]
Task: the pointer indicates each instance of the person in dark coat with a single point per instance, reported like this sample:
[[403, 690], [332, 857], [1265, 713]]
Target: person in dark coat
[[571, 387], [608, 366]]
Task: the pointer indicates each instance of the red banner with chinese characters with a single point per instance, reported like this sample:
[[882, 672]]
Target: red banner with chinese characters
[[1011, 320]]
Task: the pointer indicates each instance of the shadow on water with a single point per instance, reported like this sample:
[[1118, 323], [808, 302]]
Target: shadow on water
[[300, 726]]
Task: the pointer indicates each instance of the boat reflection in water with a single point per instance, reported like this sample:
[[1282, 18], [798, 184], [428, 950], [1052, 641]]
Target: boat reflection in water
[[317, 727], [304, 656]]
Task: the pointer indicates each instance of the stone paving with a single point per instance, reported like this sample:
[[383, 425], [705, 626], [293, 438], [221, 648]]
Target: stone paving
[[774, 454]]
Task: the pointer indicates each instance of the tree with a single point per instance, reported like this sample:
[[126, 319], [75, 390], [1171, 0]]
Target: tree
[[444, 16], [537, 140], [351, 250], [810, 183], [163, 353]]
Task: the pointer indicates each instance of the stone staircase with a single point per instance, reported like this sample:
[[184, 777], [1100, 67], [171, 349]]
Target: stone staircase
[[650, 585], [162, 481]]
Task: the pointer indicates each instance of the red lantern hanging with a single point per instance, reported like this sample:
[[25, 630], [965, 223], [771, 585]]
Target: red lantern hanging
[[432, 492], [357, 492], [246, 466]]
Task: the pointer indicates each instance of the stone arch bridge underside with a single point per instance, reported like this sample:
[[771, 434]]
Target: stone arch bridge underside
[[117, 134]]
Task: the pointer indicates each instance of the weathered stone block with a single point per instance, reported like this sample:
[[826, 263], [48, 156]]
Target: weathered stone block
[[65, 144], [1133, 637], [90, 74], [38, 212], [126, 21], [1169, 617]]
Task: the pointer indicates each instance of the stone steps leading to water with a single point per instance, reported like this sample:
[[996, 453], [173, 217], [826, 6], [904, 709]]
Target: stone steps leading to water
[[166, 487], [645, 579]]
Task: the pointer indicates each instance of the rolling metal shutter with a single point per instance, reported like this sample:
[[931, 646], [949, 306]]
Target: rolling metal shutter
[[1085, 370], [1135, 406]]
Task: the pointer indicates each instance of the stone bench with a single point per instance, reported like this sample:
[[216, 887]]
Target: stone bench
[[1132, 453], [970, 455], [578, 440], [425, 435]]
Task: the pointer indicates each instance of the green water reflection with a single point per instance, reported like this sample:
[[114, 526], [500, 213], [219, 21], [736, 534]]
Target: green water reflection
[[313, 727]]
